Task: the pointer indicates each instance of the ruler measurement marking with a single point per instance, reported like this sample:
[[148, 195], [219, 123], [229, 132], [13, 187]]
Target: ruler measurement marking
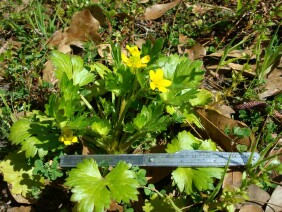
[[186, 158]]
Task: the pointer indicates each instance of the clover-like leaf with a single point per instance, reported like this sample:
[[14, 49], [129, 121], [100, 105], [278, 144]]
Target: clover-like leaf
[[95, 193], [187, 179]]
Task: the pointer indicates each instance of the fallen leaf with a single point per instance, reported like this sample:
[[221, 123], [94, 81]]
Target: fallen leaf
[[196, 52], [10, 44], [20, 199], [215, 125], [275, 201], [143, 1], [273, 84], [251, 208], [222, 109], [276, 152], [84, 27], [232, 179], [56, 38], [139, 43], [240, 54], [98, 14], [114, 206], [48, 74], [105, 51], [257, 195], [199, 9], [158, 10], [247, 71], [21, 209], [86, 150], [183, 39]]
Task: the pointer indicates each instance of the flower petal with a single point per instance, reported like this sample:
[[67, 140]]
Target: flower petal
[[74, 139], [162, 89], [152, 85], [124, 58], [159, 74], [165, 83], [152, 75], [67, 143], [145, 59]]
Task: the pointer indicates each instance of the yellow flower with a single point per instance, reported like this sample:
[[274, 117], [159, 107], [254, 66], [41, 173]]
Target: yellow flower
[[134, 60], [158, 81], [67, 137]]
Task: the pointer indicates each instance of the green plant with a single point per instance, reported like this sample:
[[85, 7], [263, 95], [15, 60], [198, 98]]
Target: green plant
[[40, 22], [48, 170], [112, 110], [271, 54]]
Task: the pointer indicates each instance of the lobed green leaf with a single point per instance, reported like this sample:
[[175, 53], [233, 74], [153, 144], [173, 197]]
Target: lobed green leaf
[[94, 193], [189, 179]]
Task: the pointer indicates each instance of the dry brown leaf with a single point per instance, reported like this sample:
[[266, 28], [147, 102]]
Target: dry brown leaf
[[143, 1], [241, 54], [258, 195], [48, 73], [232, 179], [140, 42], [56, 38], [273, 84], [114, 206], [183, 39], [83, 27], [10, 44], [20, 199], [98, 14], [251, 208], [196, 52], [86, 150], [222, 109], [275, 202], [105, 51], [233, 66], [21, 209], [199, 9], [215, 125], [158, 10], [277, 152]]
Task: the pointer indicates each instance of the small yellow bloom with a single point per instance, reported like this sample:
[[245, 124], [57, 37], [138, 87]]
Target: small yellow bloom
[[134, 60], [67, 137], [158, 81]]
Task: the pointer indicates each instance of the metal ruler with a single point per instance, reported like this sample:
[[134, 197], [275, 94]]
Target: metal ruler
[[184, 158]]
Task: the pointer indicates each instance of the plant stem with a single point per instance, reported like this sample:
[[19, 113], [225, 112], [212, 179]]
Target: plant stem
[[87, 104], [124, 106]]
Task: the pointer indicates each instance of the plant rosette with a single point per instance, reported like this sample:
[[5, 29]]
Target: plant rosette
[[112, 109]]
